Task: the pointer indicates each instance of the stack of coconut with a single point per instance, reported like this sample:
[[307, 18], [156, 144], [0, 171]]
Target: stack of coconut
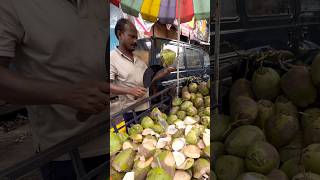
[[273, 131], [178, 150]]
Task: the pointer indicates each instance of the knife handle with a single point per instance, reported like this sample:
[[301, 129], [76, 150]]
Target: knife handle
[[81, 116]]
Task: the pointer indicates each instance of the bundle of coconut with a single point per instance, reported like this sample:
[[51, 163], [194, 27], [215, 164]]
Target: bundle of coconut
[[179, 152], [273, 131]]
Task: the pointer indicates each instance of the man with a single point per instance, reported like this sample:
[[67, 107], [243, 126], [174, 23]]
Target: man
[[58, 50], [127, 70]]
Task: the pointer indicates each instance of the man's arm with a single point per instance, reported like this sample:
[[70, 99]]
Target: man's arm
[[86, 97], [119, 90], [163, 73]]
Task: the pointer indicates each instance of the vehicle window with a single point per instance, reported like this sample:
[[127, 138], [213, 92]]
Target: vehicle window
[[228, 8], [268, 7], [310, 5]]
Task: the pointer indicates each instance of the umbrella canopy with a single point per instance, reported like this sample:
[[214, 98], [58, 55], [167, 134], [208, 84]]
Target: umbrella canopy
[[166, 11]]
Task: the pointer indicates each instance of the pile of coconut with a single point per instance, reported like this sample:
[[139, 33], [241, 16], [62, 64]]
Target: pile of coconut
[[273, 131], [176, 150]]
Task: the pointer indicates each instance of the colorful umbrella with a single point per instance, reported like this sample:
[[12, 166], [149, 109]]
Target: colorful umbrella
[[166, 11]]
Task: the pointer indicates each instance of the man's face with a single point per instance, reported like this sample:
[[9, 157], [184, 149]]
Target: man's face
[[128, 38]]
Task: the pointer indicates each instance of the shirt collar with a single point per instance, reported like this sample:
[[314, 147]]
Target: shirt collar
[[125, 56]]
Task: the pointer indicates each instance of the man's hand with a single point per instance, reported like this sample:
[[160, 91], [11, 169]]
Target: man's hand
[[137, 91], [87, 97]]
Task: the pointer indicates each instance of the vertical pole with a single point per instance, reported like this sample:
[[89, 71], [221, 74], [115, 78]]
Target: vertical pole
[[216, 55], [178, 51]]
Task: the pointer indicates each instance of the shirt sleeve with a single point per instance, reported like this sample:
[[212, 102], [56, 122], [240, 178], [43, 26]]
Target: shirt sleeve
[[11, 31], [113, 68]]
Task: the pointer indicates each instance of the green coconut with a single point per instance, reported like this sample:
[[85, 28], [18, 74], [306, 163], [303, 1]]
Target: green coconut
[[219, 127], [262, 157], [312, 133], [158, 128], [200, 167], [155, 113], [166, 160], [185, 105], [292, 167], [281, 129], [302, 93], [172, 119], [240, 87], [123, 136], [206, 101], [266, 83], [193, 87], [206, 111], [205, 120], [265, 111], [178, 134], [217, 150], [241, 138], [244, 108], [158, 174], [184, 89], [309, 116], [229, 167], [306, 176], [174, 110], [176, 101], [135, 129], [147, 122], [315, 70], [198, 102], [252, 176], [167, 57], [186, 96], [141, 169], [293, 149], [191, 111], [192, 137], [123, 162], [193, 96], [311, 158], [115, 175], [277, 174], [206, 152], [181, 114], [115, 143], [203, 88], [284, 106]]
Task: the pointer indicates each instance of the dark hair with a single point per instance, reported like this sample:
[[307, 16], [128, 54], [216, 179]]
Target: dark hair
[[121, 25]]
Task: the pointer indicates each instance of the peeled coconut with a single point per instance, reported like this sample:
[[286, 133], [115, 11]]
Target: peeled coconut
[[192, 151], [311, 158], [240, 87], [147, 122], [188, 163], [193, 87], [265, 111], [241, 138], [186, 96], [141, 169], [219, 127], [203, 88], [115, 143], [302, 93], [244, 108], [266, 83], [158, 173], [292, 167], [281, 129], [306, 176], [284, 106], [123, 161], [179, 158], [309, 116], [200, 167], [229, 167], [172, 119], [312, 133], [277, 174], [166, 160], [315, 70], [181, 175], [262, 158], [178, 144], [252, 176], [147, 149]]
